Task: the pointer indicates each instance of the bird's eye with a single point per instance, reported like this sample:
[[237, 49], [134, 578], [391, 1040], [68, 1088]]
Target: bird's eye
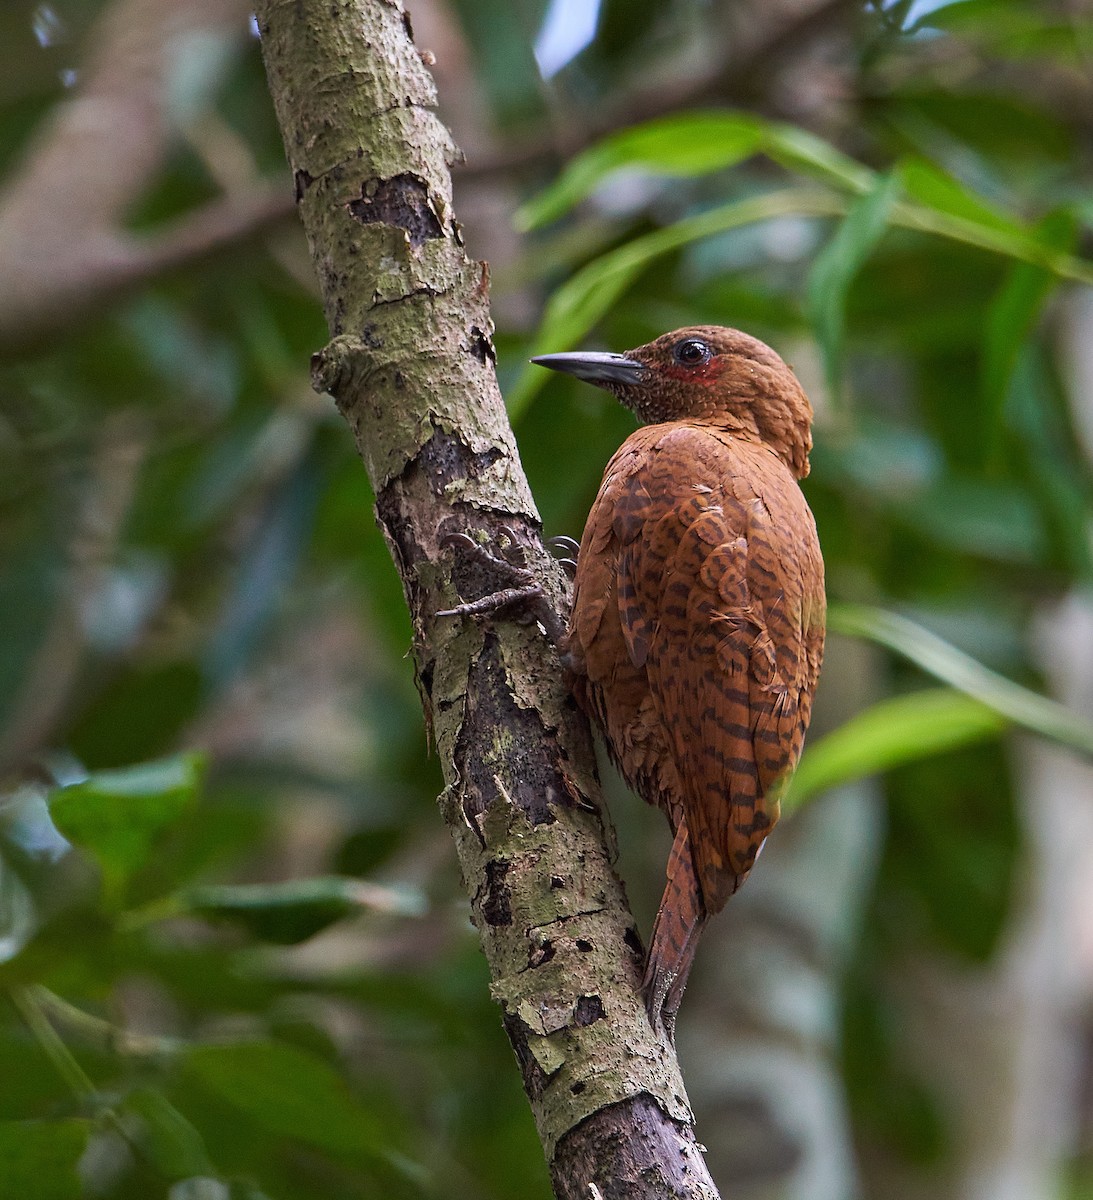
[[692, 352]]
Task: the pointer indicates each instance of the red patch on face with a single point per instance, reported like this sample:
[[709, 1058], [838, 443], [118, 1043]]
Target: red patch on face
[[703, 374]]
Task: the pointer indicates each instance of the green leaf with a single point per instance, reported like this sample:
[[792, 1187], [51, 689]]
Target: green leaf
[[38, 1159], [837, 264], [287, 913], [1011, 318], [942, 205], [165, 1137], [140, 715], [693, 143], [292, 1094], [945, 662], [895, 731], [804, 152], [930, 185], [1012, 243], [119, 815], [580, 302]]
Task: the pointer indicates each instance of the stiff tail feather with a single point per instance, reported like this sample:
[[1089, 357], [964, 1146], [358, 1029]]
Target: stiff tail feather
[[679, 923]]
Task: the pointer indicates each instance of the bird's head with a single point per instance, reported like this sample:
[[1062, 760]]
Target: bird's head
[[707, 374]]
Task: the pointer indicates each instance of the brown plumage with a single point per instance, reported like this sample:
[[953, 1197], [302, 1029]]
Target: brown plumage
[[698, 612]]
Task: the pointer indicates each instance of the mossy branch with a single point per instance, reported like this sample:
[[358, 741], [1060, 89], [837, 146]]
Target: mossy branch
[[411, 366]]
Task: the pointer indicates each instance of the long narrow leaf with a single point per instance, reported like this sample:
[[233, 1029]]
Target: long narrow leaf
[[801, 151], [693, 143], [837, 264], [895, 731], [1010, 319], [929, 185], [1021, 246], [583, 299], [952, 666]]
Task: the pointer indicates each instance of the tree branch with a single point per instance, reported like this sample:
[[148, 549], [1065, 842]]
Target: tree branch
[[411, 365], [752, 47], [63, 246]]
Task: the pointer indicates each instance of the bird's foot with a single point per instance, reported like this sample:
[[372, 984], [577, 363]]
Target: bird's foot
[[524, 595]]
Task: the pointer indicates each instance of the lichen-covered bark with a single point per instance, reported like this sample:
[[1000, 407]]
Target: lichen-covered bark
[[411, 366]]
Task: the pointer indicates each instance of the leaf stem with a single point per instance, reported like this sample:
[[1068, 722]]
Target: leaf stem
[[28, 1001]]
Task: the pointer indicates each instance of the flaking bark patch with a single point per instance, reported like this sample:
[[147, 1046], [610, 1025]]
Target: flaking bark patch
[[492, 725], [402, 201], [496, 908]]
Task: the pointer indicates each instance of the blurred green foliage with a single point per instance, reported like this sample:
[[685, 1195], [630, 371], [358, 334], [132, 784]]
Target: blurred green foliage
[[234, 956]]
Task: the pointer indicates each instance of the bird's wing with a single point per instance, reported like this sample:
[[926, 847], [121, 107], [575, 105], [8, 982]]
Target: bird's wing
[[717, 583]]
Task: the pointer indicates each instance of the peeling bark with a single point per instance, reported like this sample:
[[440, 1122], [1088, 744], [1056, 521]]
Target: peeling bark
[[410, 366]]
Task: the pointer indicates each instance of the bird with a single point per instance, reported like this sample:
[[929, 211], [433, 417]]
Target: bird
[[696, 631]]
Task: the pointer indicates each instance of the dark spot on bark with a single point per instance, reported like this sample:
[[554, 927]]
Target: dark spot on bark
[[497, 907], [583, 945], [539, 784], [482, 345], [557, 882], [399, 382], [403, 201], [442, 460], [425, 678], [589, 1010], [535, 1078], [633, 940], [301, 181], [577, 1088], [445, 458], [370, 338], [319, 380], [540, 955]]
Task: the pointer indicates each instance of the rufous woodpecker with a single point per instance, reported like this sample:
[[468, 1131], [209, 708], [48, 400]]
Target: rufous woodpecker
[[698, 615]]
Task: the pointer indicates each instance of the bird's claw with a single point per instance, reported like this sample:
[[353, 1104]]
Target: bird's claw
[[569, 549], [568, 545], [460, 539], [513, 553]]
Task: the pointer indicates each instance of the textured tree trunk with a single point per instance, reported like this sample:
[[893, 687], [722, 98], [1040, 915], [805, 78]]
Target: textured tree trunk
[[411, 366]]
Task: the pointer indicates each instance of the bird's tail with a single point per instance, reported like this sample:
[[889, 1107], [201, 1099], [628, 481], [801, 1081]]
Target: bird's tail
[[679, 923]]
